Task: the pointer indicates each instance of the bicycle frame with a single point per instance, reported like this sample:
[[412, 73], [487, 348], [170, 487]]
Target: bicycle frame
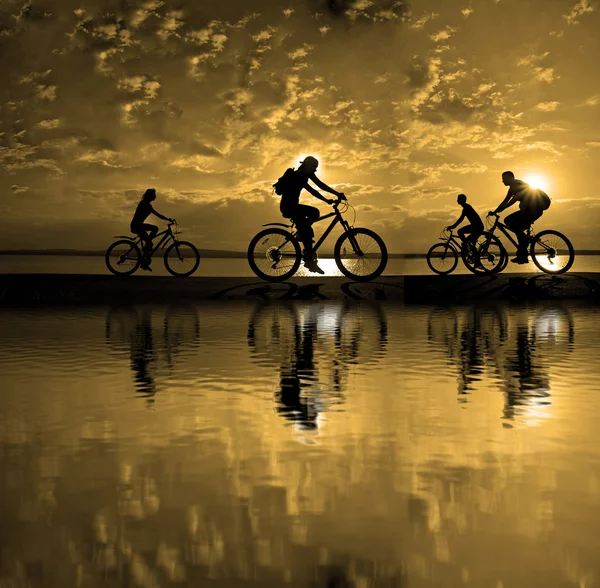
[[338, 219], [167, 234], [452, 240], [504, 230]]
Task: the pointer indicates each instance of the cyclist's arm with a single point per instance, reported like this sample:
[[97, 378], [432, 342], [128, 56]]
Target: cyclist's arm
[[316, 193], [460, 220], [324, 186], [156, 213], [506, 203]]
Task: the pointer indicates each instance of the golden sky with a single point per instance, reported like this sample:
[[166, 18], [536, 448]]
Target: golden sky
[[406, 104]]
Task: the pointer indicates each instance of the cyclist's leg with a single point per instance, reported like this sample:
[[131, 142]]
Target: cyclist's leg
[[518, 222], [464, 231], [468, 234], [150, 232], [309, 215], [301, 217]]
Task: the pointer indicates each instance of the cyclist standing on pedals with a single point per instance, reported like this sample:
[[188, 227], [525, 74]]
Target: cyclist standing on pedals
[[289, 186], [532, 204], [146, 231], [474, 229]]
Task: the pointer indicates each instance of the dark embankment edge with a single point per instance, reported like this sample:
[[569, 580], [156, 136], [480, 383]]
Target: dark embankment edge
[[77, 289]]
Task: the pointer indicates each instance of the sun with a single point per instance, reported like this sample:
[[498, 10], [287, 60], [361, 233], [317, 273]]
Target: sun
[[537, 181]]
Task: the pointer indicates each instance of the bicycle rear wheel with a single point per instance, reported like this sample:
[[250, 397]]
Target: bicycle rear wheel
[[274, 255], [488, 257], [360, 254], [442, 259], [182, 259], [123, 257], [552, 252]]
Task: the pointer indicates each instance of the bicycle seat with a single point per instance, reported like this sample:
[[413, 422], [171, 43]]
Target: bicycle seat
[[125, 236]]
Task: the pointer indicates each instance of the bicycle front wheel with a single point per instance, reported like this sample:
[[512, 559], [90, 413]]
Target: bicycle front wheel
[[123, 257], [487, 257], [552, 252], [442, 259], [182, 259], [274, 255], [360, 254]]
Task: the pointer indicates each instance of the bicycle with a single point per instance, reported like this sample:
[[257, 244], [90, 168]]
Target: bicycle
[[124, 256], [360, 254], [442, 258], [550, 250]]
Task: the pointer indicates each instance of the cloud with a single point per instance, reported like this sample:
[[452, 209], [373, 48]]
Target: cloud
[[547, 106], [51, 123], [579, 9], [539, 65], [443, 34], [591, 101], [16, 189], [365, 10], [421, 22]]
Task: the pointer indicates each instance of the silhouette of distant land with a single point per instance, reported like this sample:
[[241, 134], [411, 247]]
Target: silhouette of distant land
[[212, 253], [215, 253]]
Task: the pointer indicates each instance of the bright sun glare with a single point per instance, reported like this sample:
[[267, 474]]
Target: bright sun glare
[[536, 181]]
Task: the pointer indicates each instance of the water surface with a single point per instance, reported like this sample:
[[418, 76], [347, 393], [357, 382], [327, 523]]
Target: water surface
[[227, 267], [318, 444]]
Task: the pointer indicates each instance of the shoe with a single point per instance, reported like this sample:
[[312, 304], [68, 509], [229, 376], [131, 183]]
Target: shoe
[[520, 260], [145, 266], [312, 266]]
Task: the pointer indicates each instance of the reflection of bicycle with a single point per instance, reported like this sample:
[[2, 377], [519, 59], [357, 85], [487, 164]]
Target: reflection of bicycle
[[274, 254], [346, 333], [550, 250], [442, 258], [125, 256]]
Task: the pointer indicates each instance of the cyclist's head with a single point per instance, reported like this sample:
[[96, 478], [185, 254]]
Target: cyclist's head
[[310, 163], [461, 199], [150, 194], [507, 177]]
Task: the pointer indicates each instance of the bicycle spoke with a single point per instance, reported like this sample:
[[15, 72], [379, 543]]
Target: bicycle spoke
[[181, 259], [274, 255], [361, 255], [122, 258], [442, 259], [551, 252]]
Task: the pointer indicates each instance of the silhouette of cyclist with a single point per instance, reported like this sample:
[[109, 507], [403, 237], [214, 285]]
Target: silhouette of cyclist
[[475, 228], [146, 231], [530, 209], [302, 214]]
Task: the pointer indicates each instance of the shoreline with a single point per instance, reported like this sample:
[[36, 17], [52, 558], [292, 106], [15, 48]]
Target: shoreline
[[18, 290]]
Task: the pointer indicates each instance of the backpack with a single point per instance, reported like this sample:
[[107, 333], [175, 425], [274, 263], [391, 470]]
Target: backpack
[[542, 199], [285, 182]]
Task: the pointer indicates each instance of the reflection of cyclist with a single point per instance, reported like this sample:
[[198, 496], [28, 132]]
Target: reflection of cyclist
[[475, 228], [530, 209], [532, 381], [146, 231], [303, 215], [291, 403]]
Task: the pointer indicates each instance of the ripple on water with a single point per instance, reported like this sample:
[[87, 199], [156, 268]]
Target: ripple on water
[[302, 441]]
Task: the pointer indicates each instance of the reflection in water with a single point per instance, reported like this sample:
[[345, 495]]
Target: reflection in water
[[149, 346], [520, 352], [307, 340], [406, 487]]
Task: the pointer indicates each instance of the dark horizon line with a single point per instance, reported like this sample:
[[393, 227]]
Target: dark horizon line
[[214, 253]]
